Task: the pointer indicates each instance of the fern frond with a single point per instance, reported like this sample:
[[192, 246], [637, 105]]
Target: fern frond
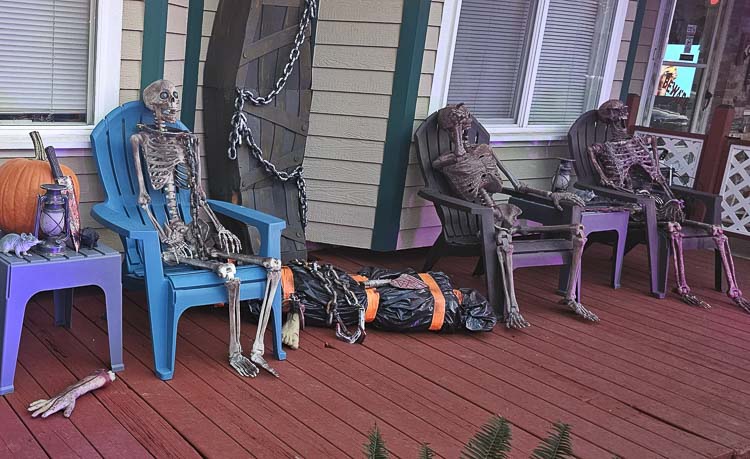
[[557, 446], [425, 452], [375, 446], [491, 442]]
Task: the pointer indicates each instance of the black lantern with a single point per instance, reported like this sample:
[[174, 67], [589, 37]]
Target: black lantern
[[52, 216]]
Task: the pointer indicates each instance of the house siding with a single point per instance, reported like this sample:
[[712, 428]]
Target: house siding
[[353, 65], [643, 52]]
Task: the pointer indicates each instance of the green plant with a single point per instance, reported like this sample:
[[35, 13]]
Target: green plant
[[557, 445], [491, 442], [425, 452], [375, 446]]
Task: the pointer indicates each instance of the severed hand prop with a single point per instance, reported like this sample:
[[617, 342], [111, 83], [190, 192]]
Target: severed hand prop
[[67, 398]]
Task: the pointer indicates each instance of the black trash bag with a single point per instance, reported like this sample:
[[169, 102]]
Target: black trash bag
[[412, 310], [398, 309]]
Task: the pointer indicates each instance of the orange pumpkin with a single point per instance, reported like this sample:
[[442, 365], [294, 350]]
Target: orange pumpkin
[[20, 181]]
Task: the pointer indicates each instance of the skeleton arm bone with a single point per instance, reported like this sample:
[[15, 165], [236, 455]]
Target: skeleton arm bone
[[557, 198], [143, 198], [227, 241]]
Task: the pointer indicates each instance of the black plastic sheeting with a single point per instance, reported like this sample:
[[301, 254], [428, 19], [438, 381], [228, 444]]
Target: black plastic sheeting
[[399, 310]]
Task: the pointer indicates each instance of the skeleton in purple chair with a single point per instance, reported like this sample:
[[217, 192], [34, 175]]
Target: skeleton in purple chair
[[172, 160], [629, 163], [474, 173]]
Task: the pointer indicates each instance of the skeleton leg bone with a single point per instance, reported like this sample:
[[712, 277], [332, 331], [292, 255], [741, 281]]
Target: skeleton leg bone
[[513, 317], [256, 354], [734, 292], [239, 362], [682, 289], [579, 241]]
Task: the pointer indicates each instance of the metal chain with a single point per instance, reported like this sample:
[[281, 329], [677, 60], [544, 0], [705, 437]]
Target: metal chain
[[329, 280], [241, 131]]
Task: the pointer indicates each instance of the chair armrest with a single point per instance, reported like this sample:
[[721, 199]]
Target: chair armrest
[[454, 203], [122, 224], [131, 229], [613, 194], [710, 200], [268, 226]]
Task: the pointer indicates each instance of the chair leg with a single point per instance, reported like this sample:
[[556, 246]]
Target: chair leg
[[163, 330], [434, 254], [619, 256], [12, 311], [276, 324], [718, 272], [657, 248], [479, 267], [63, 307], [113, 299]]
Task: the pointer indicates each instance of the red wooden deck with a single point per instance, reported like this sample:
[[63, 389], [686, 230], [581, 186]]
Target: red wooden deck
[[655, 378]]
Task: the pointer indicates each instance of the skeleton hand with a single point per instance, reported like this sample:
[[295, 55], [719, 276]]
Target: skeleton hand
[[228, 241], [566, 198], [144, 199], [67, 398]]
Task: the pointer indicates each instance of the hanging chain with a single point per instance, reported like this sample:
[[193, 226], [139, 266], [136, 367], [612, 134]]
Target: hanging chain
[[241, 131], [330, 280]]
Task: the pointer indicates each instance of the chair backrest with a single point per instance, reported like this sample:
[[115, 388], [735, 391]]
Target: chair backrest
[[586, 131], [431, 142], [110, 143]]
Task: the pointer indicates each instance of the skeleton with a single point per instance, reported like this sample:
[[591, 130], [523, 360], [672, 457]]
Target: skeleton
[[173, 162], [474, 173], [630, 164]]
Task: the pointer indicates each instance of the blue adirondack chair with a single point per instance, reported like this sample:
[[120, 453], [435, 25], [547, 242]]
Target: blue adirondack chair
[[170, 290]]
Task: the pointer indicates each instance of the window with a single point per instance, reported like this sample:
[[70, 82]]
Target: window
[[527, 68], [59, 69], [44, 54]]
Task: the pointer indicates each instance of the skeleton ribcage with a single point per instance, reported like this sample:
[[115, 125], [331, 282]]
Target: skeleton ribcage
[[165, 163], [623, 162]]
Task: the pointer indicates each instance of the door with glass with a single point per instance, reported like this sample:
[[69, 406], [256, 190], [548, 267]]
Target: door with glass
[[678, 89]]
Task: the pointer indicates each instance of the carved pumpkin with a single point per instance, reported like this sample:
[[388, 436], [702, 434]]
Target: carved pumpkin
[[20, 179]]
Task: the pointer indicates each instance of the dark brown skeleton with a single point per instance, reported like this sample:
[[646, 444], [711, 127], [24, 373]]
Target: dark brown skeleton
[[172, 160], [474, 173], [629, 163]]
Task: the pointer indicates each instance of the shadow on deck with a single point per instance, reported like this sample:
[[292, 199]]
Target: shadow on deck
[[655, 378]]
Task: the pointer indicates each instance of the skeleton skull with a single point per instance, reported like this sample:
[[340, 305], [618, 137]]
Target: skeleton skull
[[161, 98], [613, 111], [457, 120]]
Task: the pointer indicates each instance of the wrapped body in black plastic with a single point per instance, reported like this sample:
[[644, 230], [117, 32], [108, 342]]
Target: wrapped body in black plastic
[[397, 309]]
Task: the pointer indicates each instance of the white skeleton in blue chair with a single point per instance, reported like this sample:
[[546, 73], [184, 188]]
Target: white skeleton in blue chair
[[172, 158]]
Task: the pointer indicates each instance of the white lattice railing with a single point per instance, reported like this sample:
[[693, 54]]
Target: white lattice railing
[[735, 190], [681, 153]]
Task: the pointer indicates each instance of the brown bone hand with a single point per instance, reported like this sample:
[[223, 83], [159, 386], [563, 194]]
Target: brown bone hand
[[66, 400]]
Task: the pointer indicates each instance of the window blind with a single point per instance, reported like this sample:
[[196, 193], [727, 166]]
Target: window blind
[[44, 59], [489, 57], [571, 61]]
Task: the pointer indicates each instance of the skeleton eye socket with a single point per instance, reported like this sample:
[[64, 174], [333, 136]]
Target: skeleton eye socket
[[163, 95], [175, 95]]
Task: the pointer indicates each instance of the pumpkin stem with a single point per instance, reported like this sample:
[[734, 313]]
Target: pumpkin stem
[[39, 153]]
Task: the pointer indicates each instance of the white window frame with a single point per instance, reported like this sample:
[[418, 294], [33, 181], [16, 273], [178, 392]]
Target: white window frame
[[105, 84], [521, 131]]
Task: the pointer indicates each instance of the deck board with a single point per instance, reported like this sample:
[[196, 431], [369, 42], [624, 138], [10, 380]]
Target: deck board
[[656, 378]]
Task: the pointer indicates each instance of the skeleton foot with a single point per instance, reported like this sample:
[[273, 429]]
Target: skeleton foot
[[243, 365], [692, 300], [257, 358], [741, 301], [580, 310], [290, 331], [516, 320]]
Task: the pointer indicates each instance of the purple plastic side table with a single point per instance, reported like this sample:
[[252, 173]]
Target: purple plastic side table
[[21, 278], [606, 219]]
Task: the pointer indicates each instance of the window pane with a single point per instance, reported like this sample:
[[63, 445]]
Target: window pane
[[490, 56], [44, 59], [572, 60]]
